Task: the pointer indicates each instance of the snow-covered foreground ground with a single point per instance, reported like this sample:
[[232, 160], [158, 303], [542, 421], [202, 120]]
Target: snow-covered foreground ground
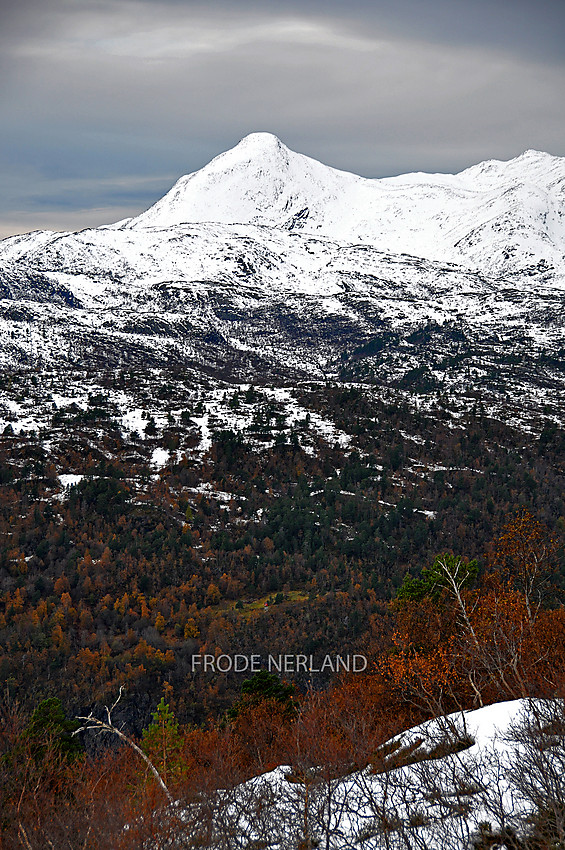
[[473, 779]]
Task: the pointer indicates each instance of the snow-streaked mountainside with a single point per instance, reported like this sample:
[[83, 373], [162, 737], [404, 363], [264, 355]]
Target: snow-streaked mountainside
[[495, 217], [268, 262]]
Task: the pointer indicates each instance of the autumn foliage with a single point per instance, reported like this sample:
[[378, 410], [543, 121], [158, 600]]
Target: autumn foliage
[[455, 638], [461, 644]]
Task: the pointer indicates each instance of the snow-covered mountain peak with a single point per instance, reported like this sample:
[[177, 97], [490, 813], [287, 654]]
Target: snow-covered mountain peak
[[265, 257], [496, 216], [259, 181], [258, 143], [505, 220], [261, 148], [533, 153], [534, 167]]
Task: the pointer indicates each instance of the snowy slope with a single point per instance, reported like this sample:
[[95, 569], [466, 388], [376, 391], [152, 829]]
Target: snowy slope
[[496, 216], [266, 263], [442, 785]]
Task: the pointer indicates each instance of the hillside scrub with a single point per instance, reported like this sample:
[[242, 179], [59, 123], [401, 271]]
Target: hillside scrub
[[446, 651]]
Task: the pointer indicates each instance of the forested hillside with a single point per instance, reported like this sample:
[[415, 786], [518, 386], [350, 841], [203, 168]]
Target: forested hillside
[[287, 527], [458, 637], [148, 519]]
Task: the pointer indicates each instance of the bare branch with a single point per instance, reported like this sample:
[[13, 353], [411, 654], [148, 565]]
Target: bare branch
[[92, 723]]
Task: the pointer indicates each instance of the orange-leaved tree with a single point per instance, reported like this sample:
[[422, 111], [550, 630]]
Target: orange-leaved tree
[[526, 554]]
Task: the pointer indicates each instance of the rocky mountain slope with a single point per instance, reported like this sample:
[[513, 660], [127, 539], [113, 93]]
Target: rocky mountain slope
[[267, 265]]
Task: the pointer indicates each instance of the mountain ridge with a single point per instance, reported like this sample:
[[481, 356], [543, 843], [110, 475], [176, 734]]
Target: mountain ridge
[[330, 274], [455, 218], [495, 217]]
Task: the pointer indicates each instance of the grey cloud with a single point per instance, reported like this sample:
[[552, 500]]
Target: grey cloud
[[528, 27], [525, 27]]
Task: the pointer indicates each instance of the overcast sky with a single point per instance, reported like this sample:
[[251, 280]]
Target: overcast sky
[[105, 103]]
